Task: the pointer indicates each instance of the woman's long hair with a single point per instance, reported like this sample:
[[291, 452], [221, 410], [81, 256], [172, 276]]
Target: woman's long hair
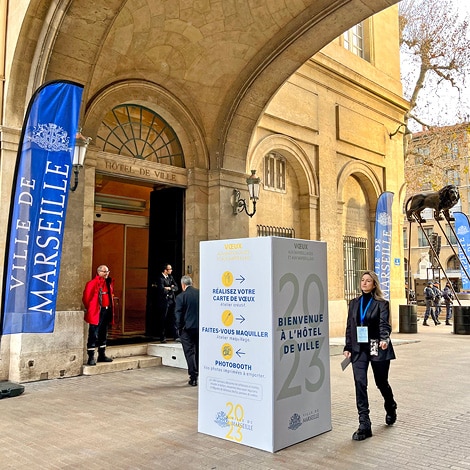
[[377, 291]]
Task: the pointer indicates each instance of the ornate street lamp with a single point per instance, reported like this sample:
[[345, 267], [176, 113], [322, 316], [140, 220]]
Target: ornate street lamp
[[79, 153], [238, 204]]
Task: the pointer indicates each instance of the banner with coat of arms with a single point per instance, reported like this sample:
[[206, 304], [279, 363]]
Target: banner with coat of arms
[[383, 241], [38, 208], [462, 229]]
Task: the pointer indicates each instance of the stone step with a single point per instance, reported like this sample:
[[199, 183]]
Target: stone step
[[127, 350], [136, 356], [120, 364]]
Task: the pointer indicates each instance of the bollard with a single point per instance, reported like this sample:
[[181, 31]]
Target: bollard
[[461, 319], [408, 319]]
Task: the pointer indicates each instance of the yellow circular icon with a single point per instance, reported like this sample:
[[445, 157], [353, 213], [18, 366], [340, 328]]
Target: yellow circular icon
[[227, 351], [227, 278], [227, 317]]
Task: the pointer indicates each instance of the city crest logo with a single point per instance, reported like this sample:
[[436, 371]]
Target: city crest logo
[[50, 137], [222, 419], [295, 422], [384, 219]]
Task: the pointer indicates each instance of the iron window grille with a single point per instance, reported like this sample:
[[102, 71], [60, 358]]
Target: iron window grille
[[268, 231], [355, 263]]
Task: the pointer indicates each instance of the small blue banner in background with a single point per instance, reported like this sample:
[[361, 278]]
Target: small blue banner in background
[[383, 241], [462, 229]]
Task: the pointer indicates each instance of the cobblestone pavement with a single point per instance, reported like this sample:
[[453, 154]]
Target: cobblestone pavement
[[147, 419]]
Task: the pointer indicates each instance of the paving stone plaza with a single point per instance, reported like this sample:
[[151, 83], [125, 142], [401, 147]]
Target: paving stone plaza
[[147, 419]]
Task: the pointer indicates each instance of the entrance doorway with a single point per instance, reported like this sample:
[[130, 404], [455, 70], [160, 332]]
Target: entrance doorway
[[136, 228], [166, 247], [121, 242]]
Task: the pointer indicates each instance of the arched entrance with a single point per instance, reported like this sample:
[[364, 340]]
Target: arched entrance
[[358, 190], [138, 213]]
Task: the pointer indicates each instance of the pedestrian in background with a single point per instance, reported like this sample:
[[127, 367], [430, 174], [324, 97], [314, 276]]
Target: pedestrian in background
[[437, 301], [429, 299], [187, 321], [448, 296], [368, 341]]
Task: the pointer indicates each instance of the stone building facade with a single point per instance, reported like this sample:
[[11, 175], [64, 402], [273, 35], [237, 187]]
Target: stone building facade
[[435, 158], [182, 100]]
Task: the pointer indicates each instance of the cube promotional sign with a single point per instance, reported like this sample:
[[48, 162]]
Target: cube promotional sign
[[264, 376]]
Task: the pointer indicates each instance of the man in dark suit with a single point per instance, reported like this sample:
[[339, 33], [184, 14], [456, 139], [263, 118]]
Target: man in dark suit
[[165, 291], [187, 322]]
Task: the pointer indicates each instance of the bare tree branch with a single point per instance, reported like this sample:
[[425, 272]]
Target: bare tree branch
[[434, 40]]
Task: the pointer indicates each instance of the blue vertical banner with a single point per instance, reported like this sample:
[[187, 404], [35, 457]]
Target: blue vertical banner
[[462, 229], [38, 208], [383, 241]]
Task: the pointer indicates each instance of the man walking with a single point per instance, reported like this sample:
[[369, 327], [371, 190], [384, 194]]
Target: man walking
[[429, 298], [187, 322]]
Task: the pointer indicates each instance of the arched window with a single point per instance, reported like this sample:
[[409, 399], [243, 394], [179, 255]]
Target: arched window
[[453, 264], [135, 131]]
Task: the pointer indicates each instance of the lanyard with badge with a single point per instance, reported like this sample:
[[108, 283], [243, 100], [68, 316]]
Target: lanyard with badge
[[362, 331]]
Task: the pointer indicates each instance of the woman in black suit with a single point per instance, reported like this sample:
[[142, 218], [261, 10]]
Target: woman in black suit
[[368, 340]]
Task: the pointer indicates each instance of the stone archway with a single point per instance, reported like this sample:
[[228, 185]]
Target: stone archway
[[358, 191], [193, 178], [219, 65], [161, 101], [302, 183], [367, 178]]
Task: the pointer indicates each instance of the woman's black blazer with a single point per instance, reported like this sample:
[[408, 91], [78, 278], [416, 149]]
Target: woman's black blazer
[[377, 320]]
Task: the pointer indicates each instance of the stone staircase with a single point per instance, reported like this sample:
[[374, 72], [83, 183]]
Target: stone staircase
[[138, 356]]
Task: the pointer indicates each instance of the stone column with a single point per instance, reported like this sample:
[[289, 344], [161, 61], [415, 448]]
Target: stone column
[[223, 224], [196, 219]]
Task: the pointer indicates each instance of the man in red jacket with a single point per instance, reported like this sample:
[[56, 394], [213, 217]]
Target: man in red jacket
[[98, 300]]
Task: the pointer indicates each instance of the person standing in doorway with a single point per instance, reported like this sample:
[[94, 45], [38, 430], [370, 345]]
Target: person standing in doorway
[[166, 290], [187, 322], [98, 298], [368, 341]]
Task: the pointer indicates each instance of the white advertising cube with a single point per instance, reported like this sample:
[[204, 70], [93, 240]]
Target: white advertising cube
[[264, 374]]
